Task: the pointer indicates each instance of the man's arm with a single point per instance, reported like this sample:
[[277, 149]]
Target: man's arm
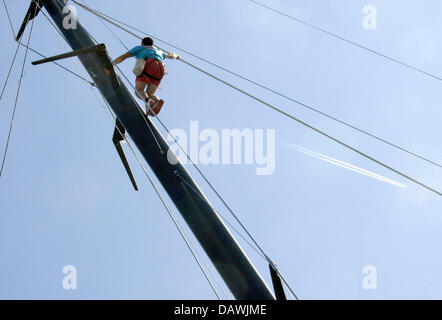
[[122, 58]]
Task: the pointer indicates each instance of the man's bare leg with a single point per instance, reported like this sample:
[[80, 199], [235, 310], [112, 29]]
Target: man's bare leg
[[150, 92], [140, 87]]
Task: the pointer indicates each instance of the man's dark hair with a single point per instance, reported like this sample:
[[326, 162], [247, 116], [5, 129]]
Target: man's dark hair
[[148, 41]]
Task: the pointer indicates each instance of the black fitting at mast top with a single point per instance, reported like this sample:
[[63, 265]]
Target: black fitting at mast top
[[33, 11]]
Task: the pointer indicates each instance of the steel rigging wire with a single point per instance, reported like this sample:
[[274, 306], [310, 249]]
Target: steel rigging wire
[[17, 96], [261, 253], [346, 40], [298, 102], [208, 274], [186, 238], [273, 107]]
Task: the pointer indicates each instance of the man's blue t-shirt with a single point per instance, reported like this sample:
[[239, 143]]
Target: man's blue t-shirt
[[144, 52]]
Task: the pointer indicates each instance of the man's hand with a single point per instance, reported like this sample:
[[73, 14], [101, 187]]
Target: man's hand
[[172, 55]]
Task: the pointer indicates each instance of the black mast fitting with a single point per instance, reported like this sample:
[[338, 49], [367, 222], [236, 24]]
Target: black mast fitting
[[277, 283], [33, 11], [100, 50], [226, 254], [117, 138], [75, 53]]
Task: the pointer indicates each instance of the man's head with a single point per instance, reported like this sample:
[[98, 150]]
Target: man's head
[[148, 41]]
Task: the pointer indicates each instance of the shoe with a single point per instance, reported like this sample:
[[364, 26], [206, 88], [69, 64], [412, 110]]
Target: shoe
[[157, 107]]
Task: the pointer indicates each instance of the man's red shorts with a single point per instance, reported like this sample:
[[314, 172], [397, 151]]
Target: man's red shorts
[[154, 72]]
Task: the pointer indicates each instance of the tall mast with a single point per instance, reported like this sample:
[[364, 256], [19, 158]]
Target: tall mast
[[219, 244]]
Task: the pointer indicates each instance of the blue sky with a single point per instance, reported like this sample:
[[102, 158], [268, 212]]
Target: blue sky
[[66, 200]]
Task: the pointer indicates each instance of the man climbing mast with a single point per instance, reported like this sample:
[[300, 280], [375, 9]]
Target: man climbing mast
[[149, 70]]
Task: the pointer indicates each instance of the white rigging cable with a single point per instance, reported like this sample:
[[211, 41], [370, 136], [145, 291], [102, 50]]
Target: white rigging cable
[[346, 40], [17, 95], [193, 249], [298, 102], [261, 252], [259, 100], [276, 108]]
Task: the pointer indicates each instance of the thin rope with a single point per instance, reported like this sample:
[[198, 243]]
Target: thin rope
[[147, 105], [60, 38], [175, 220], [61, 66], [278, 110], [194, 251], [263, 255], [347, 40], [302, 104], [10, 70], [258, 248], [57, 31], [15, 54], [314, 129], [145, 120], [291, 292], [144, 117], [16, 101], [197, 192], [163, 124], [234, 88], [207, 181]]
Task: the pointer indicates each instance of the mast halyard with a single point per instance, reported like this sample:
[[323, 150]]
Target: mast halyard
[[221, 247]]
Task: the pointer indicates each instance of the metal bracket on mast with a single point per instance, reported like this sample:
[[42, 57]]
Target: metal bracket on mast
[[33, 11], [117, 138], [100, 50], [277, 283], [233, 265], [71, 54]]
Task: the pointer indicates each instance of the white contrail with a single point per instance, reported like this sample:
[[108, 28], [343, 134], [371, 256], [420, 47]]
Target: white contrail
[[342, 164]]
